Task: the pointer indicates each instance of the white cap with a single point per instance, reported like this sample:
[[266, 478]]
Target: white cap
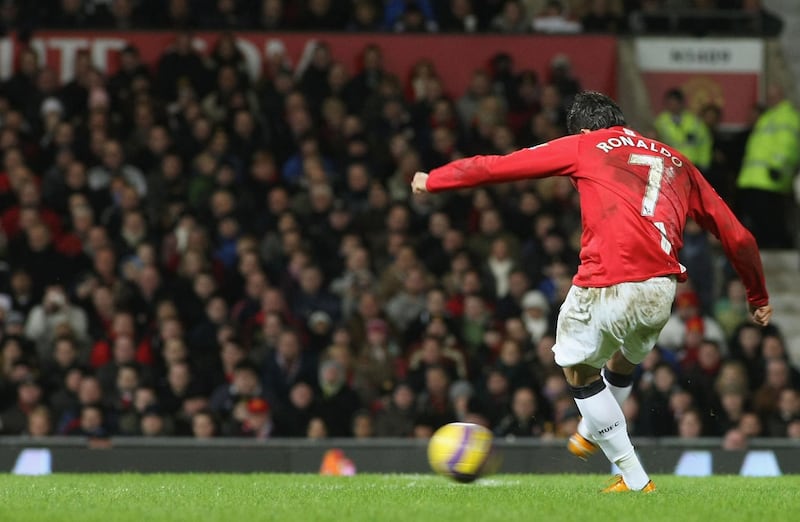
[[274, 47], [535, 299], [52, 104]]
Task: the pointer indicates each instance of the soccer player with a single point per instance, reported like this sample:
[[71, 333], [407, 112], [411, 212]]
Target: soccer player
[[636, 194]]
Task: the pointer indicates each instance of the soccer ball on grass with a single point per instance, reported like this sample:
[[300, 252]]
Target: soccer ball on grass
[[461, 451]]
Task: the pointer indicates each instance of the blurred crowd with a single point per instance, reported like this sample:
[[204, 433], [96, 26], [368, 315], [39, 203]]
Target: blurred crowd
[[188, 252], [405, 16]]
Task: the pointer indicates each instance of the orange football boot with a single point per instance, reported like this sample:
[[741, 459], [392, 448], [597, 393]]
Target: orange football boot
[[619, 486], [581, 447]]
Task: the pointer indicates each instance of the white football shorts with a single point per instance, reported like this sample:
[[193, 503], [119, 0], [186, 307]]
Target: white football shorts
[[593, 323]]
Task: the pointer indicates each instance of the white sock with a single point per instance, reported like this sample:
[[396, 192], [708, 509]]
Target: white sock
[[620, 394], [606, 424]]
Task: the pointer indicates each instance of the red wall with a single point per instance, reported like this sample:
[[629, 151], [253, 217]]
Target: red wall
[[455, 56]]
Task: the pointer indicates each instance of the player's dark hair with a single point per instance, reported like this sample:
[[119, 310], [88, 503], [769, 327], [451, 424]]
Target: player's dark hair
[[593, 110]]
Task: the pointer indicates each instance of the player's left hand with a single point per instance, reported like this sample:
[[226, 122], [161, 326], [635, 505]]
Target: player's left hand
[[761, 314], [418, 183]]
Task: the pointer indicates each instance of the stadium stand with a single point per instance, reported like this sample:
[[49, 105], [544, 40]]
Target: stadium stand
[[191, 252]]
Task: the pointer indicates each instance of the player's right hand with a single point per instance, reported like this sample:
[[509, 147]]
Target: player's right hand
[[761, 314]]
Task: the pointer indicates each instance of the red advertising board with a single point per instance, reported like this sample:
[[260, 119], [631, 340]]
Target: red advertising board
[[724, 72], [455, 56]]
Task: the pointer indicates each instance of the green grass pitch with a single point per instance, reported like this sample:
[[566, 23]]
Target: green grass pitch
[[244, 498]]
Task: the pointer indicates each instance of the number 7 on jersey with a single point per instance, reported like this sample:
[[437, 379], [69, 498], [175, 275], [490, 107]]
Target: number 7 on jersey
[[651, 192], [656, 174]]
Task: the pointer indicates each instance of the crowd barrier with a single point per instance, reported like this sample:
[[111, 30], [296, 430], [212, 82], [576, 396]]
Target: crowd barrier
[[701, 457]]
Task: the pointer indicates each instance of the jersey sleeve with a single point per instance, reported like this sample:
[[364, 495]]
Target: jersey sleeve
[[714, 215], [554, 158]]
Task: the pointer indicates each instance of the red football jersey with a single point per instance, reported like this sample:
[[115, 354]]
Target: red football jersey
[[636, 194]]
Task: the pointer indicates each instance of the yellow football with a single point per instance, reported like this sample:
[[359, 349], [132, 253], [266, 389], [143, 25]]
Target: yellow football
[[460, 450]]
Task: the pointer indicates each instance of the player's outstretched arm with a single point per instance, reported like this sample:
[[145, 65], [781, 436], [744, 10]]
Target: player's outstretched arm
[[554, 158], [714, 215]]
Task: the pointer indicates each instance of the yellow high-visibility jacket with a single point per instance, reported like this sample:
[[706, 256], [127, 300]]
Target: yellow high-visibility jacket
[[772, 154], [688, 134]]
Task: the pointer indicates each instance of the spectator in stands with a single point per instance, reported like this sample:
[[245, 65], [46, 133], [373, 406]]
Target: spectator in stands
[[733, 376], [523, 420], [21, 291], [679, 127], [793, 430], [292, 419], [433, 402], [751, 425], [602, 18], [271, 15], [14, 420], [321, 15], [65, 357], [375, 362], [696, 257], [182, 71], [70, 14], [656, 418], [777, 378], [398, 417], [35, 250], [553, 18], [700, 374], [437, 349], [39, 423], [410, 302], [54, 317], [23, 81], [152, 424], [787, 412], [746, 348], [257, 422], [91, 423], [113, 167], [690, 424], [687, 307], [536, 315], [563, 79], [123, 353], [366, 17], [770, 162], [480, 86], [409, 16], [89, 392], [498, 268], [730, 310], [204, 425], [338, 402], [460, 18], [229, 401], [289, 364], [512, 363], [512, 19], [124, 15], [317, 429], [732, 405]]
